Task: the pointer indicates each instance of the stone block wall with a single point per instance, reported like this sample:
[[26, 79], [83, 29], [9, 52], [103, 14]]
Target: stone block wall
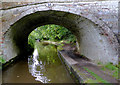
[[104, 15]]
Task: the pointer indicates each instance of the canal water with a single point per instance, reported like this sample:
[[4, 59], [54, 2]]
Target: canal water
[[44, 66]]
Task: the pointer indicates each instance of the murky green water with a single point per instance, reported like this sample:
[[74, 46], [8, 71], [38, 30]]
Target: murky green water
[[44, 66]]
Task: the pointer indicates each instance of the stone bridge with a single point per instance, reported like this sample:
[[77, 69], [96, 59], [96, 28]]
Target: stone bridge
[[95, 25]]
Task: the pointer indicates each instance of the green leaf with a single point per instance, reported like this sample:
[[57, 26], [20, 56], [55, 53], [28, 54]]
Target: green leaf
[[52, 33]]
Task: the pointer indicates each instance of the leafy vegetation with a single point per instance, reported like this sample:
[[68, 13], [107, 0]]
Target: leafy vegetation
[[51, 33], [1, 61]]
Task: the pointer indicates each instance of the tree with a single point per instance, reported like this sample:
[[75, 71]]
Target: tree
[[51, 33]]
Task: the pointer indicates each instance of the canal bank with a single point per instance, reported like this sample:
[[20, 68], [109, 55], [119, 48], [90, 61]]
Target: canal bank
[[84, 70], [81, 69]]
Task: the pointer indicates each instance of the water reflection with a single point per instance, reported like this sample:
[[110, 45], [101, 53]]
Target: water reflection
[[35, 55], [36, 67], [46, 66], [43, 66]]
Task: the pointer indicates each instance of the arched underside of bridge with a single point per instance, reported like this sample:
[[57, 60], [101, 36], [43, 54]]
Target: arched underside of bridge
[[90, 40]]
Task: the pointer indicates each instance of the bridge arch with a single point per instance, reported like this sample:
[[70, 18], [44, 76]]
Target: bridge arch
[[92, 40]]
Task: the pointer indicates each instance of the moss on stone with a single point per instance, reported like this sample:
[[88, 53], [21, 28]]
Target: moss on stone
[[113, 69], [98, 78]]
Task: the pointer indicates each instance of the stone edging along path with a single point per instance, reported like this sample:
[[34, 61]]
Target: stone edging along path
[[83, 70]]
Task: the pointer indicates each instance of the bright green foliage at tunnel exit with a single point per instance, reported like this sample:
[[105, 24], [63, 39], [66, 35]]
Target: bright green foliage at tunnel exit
[[51, 33]]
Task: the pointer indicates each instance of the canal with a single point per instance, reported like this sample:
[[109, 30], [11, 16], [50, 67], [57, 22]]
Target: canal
[[43, 66]]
